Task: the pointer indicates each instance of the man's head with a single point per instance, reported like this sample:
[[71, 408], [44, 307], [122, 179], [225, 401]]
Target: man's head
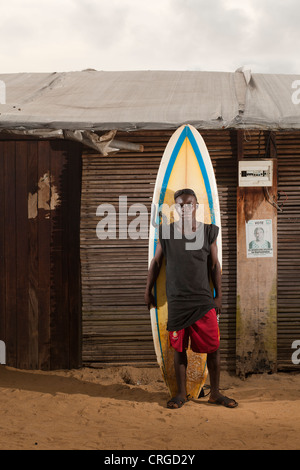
[[259, 234], [185, 191], [186, 202]]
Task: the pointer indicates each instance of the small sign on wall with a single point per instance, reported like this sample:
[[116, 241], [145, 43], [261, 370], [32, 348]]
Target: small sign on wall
[[256, 173], [259, 238]]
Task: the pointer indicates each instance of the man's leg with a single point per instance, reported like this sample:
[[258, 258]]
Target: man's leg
[[213, 365], [180, 364]]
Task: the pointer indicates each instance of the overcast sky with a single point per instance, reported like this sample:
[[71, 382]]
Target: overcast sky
[[212, 35]]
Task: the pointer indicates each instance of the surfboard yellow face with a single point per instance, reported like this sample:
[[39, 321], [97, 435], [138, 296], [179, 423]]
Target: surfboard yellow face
[[186, 173]]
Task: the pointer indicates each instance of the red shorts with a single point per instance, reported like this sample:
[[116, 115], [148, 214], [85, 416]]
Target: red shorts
[[204, 334]]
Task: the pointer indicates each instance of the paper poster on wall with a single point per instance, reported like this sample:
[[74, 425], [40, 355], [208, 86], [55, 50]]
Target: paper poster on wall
[[259, 238]]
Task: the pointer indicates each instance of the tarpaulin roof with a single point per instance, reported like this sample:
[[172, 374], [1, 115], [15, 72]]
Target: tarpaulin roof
[[100, 101]]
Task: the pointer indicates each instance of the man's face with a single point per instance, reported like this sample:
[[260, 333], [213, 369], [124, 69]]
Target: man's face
[[259, 235], [186, 206]]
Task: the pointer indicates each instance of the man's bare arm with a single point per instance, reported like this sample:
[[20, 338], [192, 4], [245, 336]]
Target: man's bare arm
[[153, 275], [216, 276]]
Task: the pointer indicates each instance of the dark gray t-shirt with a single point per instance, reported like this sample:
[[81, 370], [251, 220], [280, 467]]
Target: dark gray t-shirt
[[187, 282]]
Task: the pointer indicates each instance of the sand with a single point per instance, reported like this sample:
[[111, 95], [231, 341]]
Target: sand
[[124, 408]]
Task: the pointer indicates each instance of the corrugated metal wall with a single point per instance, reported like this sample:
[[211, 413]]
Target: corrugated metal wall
[[288, 149], [116, 323]]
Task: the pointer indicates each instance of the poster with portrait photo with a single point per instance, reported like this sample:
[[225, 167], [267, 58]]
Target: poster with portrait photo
[[259, 238]]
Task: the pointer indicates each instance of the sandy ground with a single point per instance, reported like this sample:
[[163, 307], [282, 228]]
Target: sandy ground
[[124, 408]]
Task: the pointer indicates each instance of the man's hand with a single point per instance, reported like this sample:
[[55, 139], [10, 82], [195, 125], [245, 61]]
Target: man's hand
[[149, 299], [218, 303]]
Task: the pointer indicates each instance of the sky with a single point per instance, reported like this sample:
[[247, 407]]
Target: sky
[[110, 35]]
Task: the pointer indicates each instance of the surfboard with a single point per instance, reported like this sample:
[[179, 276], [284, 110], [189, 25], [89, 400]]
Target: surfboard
[[185, 164]]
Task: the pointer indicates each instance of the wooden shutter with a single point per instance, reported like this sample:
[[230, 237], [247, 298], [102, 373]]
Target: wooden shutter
[[40, 320]]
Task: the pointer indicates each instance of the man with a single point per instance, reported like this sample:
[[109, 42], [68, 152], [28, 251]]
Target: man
[[190, 250]]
